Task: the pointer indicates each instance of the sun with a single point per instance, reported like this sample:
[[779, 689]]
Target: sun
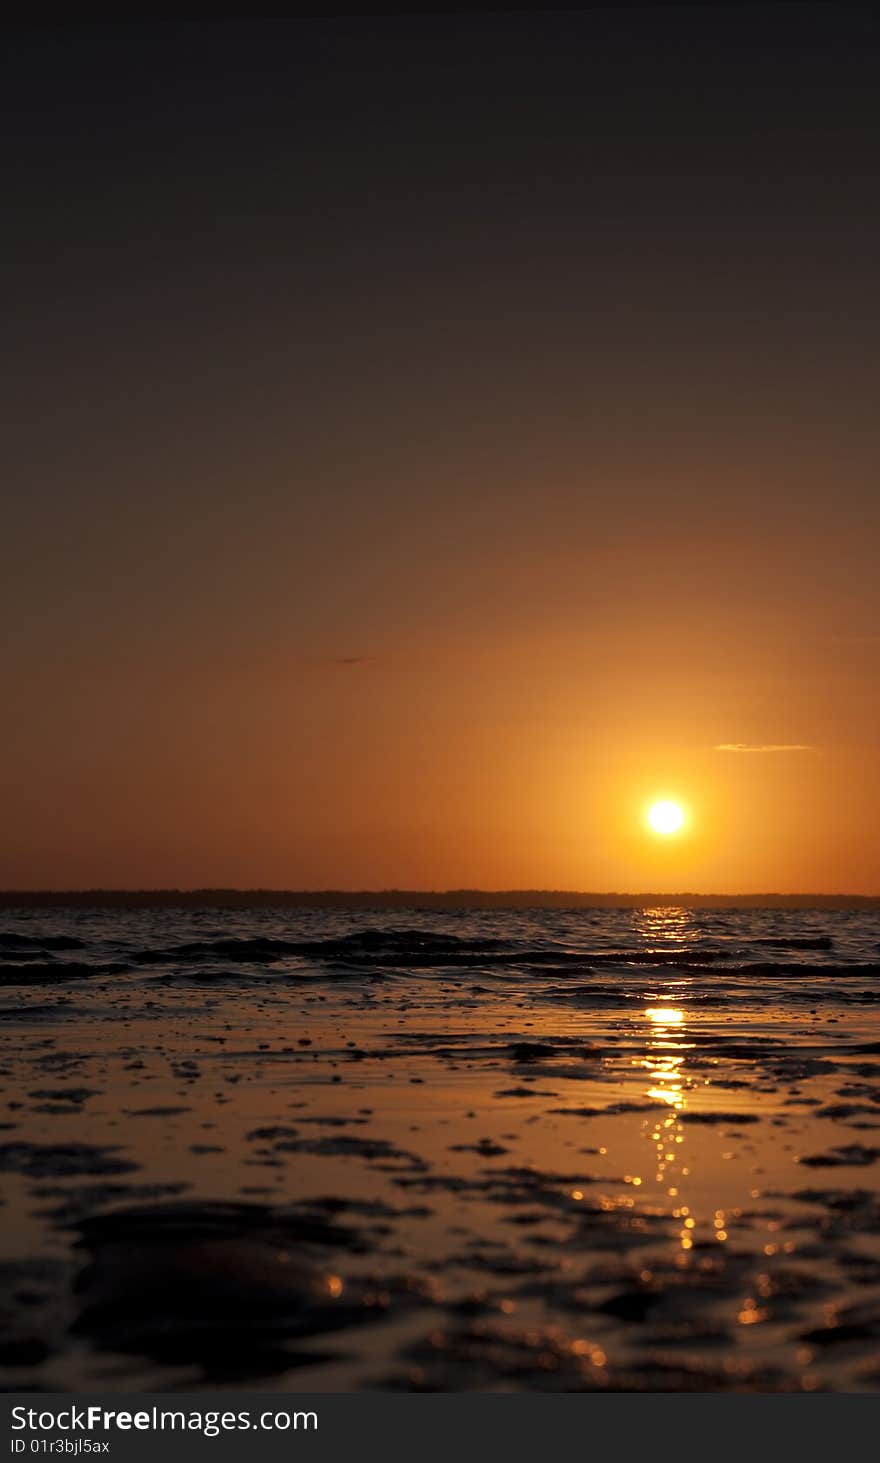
[[666, 817]]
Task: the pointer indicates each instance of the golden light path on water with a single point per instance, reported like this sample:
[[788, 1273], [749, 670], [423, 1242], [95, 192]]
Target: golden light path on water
[[669, 928], [666, 1050], [663, 1060], [665, 1056]]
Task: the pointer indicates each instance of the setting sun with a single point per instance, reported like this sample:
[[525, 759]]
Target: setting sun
[[666, 817]]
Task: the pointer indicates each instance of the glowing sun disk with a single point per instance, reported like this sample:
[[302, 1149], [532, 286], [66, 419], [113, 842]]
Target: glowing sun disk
[[665, 817]]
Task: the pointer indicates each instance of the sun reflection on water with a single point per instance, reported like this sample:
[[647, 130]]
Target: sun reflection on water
[[667, 1047], [665, 1053], [666, 927], [664, 1059], [665, 1015]]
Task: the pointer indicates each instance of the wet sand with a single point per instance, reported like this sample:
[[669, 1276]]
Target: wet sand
[[446, 1154]]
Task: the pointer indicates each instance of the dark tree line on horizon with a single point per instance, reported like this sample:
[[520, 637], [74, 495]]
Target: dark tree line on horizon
[[414, 899]]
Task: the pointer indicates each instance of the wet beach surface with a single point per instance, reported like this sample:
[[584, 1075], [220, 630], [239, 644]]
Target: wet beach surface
[[548, 1150]]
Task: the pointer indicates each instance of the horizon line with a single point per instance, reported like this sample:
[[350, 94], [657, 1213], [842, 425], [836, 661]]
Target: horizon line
[[403, 897]]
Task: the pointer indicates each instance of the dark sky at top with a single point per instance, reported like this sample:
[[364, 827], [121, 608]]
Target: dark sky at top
[[410, 341]]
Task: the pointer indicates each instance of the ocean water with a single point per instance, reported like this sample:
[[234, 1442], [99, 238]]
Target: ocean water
[[525, 1150]]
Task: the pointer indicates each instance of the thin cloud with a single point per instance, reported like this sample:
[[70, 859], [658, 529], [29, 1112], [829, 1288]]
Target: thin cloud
[[763, 747]]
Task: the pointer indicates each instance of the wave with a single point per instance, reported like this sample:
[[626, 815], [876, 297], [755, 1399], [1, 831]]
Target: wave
[[403, 947], [565, 951], [420, 949], [12, 940], [44, 973], [797, 942]]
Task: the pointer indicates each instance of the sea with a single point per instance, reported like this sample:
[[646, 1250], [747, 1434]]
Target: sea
[[458, 1150]]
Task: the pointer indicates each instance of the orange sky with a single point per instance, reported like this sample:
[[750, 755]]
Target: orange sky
[[405, 493]]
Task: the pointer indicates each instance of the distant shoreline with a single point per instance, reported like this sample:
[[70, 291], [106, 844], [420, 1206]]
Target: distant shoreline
[[414, 899]]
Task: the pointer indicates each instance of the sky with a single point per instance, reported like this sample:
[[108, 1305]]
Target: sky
[[430, 440]]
